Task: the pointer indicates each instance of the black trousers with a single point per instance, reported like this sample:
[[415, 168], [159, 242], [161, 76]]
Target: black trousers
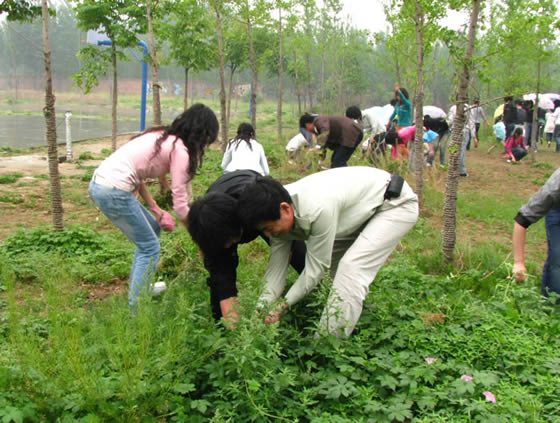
[[341, 155]]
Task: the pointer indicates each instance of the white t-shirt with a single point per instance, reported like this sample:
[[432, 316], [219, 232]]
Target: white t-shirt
[[557, 116], [239, 156], [296, 143]]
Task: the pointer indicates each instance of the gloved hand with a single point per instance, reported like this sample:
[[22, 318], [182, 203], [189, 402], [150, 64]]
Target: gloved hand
[[166, 221]]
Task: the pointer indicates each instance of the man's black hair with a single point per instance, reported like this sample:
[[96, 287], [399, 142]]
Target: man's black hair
[[213, 221], [306, 118], [508, 98], [260, 201], [393, 102], [354, 112]]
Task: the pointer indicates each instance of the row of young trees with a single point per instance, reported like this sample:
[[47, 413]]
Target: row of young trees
[[508, 56], [508, 47]]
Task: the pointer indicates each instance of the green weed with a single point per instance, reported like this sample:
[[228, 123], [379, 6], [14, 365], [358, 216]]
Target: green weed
[[10, 178], [86, 155]]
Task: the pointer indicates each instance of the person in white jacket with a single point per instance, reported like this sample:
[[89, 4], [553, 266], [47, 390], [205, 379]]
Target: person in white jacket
[[244, 152]]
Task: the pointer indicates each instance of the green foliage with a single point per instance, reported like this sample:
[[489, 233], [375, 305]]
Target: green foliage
[[170, 359], [10, 178], [86, 155], [93, 256], [20, 10]]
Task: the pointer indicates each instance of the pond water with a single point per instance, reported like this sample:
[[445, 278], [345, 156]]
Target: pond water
[[18, 131]]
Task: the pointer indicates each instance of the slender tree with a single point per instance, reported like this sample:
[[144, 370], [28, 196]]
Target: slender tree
[[419, 101], [452, 184], [217, 6], [280, 6], [153, 53], [121, 21], [50, 119], [188, 23]]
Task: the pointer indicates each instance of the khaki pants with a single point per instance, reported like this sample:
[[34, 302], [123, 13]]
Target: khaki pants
[[357, 259]]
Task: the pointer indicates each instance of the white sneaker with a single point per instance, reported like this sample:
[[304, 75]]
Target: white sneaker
[[158, 288]]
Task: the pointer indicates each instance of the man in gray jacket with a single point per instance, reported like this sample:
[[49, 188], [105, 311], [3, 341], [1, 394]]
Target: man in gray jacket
[[545, 202], [350, 228]]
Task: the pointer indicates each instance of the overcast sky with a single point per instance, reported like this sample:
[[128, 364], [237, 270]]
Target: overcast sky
[[368, 14]]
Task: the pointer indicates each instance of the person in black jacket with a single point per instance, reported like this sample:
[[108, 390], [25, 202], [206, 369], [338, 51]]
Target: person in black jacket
[[510, 115], [216, 229], [440, 126]]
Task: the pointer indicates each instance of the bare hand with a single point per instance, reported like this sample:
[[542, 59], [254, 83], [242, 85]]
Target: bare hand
[[166, 221], [519, 272], [397, 88], [274, 315]]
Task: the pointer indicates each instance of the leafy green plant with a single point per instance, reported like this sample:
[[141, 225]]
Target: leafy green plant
[[86, 155], [94, 256], [10, 178]]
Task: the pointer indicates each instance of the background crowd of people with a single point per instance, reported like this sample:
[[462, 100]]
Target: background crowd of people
[[315, 224]]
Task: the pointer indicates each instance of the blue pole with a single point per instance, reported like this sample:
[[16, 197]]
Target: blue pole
[[144, 88], [144, 80]]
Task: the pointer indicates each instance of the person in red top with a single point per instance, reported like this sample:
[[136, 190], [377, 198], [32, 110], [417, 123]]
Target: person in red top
[[515, 149]]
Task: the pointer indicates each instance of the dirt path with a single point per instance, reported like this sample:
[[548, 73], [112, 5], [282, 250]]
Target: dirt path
[[35, 164]]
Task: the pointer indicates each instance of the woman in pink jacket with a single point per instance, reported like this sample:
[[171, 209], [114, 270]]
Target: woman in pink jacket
[[515, 147], [176, 149]]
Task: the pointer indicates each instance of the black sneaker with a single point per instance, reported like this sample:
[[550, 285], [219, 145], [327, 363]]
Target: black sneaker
[[463, 174]]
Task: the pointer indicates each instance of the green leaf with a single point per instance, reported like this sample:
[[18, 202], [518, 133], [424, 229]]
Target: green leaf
[[184, 388]]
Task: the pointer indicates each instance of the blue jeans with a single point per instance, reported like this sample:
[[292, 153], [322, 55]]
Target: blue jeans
[[551, 270], [557, 137], [139, 226]]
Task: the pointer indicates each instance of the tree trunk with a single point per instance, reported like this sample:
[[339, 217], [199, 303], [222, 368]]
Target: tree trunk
[[309, 95], [280, 75], [396, 57], [418, 105], [451, 186], [153, 53], [186, 89], [253, 65], [534, 130], [50, 120], [230, 93], [217, 6], [298, 91], [323, 81], [114, 95]]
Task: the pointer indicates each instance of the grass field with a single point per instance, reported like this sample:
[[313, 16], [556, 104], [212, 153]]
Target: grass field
[[71, 350]]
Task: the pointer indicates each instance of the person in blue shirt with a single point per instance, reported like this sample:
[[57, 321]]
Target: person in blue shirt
[[500, 130], [403, 108], [428, 137]]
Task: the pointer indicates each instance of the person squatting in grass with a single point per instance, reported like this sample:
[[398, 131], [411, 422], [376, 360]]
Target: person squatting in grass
[[352, 218], [177, 149], [515, 147], [216, 229], [545, 202]]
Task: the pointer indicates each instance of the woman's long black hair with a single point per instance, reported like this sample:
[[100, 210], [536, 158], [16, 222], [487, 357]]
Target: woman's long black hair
[[404, 92], [245, 132], [197, 127]]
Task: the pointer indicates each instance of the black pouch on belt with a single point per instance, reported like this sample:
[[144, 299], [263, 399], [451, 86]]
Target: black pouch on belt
[[395, 187]]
